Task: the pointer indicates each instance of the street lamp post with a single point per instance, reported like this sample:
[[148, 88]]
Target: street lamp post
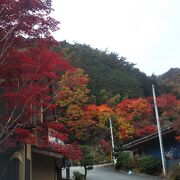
[[112, 140]]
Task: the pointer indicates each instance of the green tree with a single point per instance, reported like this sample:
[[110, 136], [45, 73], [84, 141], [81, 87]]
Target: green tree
[[88, 159], [107, 71]]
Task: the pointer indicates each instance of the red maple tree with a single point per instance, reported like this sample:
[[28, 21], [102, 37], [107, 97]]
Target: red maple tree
[[169, 110], [28, 72], [27, 98], [22, 19]]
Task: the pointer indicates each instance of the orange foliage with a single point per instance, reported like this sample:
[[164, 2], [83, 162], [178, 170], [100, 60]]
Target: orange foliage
[[134, 116], [85, 121], [104, 108]]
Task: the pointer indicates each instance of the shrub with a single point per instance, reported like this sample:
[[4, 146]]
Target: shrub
[[78, 176], [174, 173], [76, 163], [149, 165], [124, 161]]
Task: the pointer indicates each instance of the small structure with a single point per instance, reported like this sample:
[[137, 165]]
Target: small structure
[[149, 145], [31, 163]]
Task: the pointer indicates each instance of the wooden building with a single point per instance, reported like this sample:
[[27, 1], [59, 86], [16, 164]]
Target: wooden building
[[31, 163]]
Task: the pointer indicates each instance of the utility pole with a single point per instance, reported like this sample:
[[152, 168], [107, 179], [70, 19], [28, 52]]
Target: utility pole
[[159, 132], [112, 140]]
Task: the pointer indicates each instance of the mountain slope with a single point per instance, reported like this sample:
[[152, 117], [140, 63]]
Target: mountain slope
[[111, 75], [171, 81]]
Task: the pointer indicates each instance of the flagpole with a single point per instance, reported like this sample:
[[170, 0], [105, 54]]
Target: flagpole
[[159, 132]]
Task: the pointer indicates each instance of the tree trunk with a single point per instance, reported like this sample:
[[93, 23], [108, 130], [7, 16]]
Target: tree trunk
[[85, 171]]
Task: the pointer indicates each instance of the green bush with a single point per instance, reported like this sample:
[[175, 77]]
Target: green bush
[[174, 173], [78, 176], [124, 161], [76, 163], [149, 165]]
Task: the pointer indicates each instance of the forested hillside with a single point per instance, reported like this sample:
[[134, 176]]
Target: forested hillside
[[110, 75], [171, 81], [115, 82]]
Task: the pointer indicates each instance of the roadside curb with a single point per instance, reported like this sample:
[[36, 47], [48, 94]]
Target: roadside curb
[[103, 165], [133, 173]]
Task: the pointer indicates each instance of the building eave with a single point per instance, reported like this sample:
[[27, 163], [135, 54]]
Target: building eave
[[47, 152], [147, 138]]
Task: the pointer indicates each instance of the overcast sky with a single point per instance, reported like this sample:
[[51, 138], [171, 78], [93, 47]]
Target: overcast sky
[[147, 32]]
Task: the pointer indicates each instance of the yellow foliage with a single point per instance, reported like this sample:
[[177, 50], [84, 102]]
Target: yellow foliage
[[74, 112], [126, 129], [73, 88]]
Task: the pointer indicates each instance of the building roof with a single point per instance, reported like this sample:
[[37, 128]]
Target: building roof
[[47, 152], [147, 138]]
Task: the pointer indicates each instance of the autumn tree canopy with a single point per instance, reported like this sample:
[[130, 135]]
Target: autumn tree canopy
[[73, 88], [27, 96], [28, 73], [85, 120], [23, 19], [135, 118], [168, 107]]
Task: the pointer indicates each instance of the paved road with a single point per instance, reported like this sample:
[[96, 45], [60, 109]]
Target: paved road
[[104, 173]]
